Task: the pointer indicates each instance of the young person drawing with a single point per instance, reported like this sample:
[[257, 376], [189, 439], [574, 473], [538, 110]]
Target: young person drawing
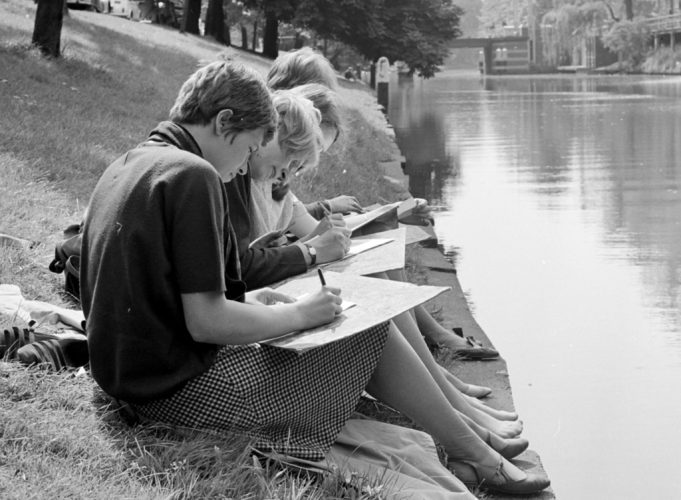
[[304, 66], [171, 331], [298, 141]]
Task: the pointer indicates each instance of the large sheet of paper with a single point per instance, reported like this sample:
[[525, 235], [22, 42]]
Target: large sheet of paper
[[415, 234], [386, 257], [376, 300], [359, 245], [355, 221]]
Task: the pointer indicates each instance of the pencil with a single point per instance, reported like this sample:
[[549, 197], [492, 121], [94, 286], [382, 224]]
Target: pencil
[[321, 276]]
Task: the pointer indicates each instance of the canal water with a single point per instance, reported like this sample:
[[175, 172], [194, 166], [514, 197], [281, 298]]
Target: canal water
[[559, 198]]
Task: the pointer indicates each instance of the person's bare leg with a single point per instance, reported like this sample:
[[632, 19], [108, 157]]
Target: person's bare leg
[[431, 329], [402, 381], [475, 391], [407, 327], [498, 414]]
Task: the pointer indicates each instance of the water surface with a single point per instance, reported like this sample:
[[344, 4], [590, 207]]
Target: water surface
[[560, 198]]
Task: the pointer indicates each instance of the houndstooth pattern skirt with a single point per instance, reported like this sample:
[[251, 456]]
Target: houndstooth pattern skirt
[[291, 403]]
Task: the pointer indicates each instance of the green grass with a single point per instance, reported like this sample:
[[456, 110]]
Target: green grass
[[63, 121]]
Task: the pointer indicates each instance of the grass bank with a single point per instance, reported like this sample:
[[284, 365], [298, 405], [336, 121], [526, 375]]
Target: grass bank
[[63, 121]]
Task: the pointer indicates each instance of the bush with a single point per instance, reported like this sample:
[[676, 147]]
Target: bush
[[663, 60], [631, 40]]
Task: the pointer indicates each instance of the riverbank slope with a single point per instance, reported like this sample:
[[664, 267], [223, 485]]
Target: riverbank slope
[[63, 123]]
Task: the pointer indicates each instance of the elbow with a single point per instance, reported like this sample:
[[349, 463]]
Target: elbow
[[199, 331]]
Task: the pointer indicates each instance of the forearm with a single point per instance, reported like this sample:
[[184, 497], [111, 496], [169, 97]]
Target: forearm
[[303, 225], [216, 320], [318, 209]]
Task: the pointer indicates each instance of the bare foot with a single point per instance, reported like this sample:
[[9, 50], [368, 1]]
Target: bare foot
[[498, 414], [502, 428], [475, 391]]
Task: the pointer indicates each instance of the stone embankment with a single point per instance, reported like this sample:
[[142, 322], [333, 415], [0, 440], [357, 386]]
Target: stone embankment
[[453, 311]]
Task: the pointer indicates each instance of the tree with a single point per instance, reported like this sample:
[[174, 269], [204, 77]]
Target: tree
[[565, 28], [215, 22], [631, 40], [190, 16], [49, 17], [274, 12], [416, 32]]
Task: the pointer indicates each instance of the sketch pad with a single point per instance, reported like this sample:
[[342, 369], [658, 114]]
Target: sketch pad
[[376, 300], [415, 234], [356, 221], [386, 257]]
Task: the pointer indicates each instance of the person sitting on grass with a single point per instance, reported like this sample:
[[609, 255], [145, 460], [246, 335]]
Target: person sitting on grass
[[173, 332], [298, 68], [298, 140]]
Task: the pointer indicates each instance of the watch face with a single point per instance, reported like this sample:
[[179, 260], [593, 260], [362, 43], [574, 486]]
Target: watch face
[[312, 250]]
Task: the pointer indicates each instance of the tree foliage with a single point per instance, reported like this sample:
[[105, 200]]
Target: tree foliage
[[414, 31], [497, 15], [568, 25], [630, 39]]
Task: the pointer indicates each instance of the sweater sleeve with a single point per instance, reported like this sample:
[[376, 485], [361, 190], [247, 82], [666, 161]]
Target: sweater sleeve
[[259, 266]]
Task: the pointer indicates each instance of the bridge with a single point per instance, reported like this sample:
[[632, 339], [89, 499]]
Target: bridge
[[502, 55]]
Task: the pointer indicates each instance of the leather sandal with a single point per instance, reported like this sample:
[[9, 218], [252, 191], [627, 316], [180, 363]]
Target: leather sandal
[[476, 351], [496, 480], [512, 447]]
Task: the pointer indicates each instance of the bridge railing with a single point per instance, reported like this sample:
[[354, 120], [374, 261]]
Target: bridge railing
[[664, 23]]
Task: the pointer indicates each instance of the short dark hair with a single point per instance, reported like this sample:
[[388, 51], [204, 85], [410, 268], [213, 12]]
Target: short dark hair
[[225, 85]]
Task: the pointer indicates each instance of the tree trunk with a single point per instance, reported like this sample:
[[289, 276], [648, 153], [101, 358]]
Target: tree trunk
[[215, 21], [244, 37], [255, 35], [47, 28], [629, 9], [270, 42], [190, 16]]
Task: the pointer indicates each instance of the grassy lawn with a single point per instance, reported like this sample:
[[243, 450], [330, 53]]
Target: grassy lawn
[[63, 121]]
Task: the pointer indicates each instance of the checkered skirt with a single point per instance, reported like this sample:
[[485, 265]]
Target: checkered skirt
[[291, 403]]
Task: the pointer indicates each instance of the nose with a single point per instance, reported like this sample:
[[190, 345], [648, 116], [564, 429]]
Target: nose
[[242, 169], [283, 175]]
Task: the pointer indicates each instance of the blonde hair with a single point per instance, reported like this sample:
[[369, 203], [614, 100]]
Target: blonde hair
[[324, 99], [299, 133], [299, 67]]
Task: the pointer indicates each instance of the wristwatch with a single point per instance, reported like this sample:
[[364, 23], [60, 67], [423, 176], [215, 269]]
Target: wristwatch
[[312, 252]]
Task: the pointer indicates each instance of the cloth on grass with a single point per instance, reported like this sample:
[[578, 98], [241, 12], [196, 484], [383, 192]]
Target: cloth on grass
[[291, 403], [13, 307], [387, 461], [404, 460]]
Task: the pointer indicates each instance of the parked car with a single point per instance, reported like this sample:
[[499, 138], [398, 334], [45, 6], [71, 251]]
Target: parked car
[[126, 8], [97, 5]]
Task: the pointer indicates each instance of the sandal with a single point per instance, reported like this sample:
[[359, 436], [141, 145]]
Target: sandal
[[12, 339], [495, 479], [476, 351], [57, 354]]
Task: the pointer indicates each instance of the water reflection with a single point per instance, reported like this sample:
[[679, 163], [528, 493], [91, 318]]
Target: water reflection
[[562, 199]]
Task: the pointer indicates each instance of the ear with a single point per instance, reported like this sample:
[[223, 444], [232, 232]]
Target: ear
[[222, 124]]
